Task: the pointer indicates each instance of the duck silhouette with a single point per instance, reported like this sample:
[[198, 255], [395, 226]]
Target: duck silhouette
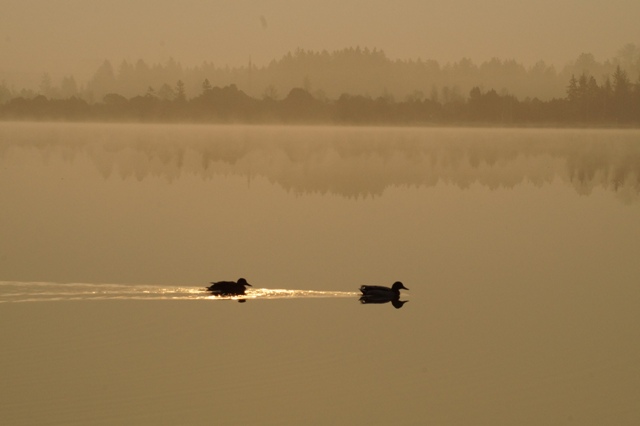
[[379, 294], [378, 291], [229, 288]]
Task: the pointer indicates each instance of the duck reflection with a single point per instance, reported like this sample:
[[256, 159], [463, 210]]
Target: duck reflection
[[380, 294], [397, 303], [229, 288]]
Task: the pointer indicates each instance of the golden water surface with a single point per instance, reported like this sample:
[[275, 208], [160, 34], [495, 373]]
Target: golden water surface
[[520, 249]]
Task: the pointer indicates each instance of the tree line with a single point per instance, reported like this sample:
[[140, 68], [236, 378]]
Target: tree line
[[357, 71], [615, 102]]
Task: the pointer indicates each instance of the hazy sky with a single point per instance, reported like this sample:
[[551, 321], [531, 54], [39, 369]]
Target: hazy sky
[[76, 36]]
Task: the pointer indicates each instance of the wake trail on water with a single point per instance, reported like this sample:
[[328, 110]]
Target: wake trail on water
[[22, 292]]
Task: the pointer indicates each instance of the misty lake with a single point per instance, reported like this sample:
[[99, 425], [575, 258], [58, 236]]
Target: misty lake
[[520, 248]]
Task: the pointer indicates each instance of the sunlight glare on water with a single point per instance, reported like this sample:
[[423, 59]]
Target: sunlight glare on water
[[51, 292]]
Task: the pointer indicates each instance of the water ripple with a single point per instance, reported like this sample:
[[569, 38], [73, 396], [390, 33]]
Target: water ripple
[[20, 292]]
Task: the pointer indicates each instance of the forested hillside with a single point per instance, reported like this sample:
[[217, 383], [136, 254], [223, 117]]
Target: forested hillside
[[354, 86]]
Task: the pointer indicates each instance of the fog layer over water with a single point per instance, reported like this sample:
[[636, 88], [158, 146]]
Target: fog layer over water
[[519, 248]]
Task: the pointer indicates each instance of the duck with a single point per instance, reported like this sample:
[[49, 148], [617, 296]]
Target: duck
[[229, 288], [381, 292]]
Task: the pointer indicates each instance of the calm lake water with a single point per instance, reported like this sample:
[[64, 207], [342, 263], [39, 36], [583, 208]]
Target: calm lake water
[[520, 248]]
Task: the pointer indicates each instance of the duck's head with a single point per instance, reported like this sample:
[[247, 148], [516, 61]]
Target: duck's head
[[244, 282], [398, 285]]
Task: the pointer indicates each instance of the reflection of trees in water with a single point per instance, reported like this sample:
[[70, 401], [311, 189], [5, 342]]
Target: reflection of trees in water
[[345, 161], [613, 164]]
